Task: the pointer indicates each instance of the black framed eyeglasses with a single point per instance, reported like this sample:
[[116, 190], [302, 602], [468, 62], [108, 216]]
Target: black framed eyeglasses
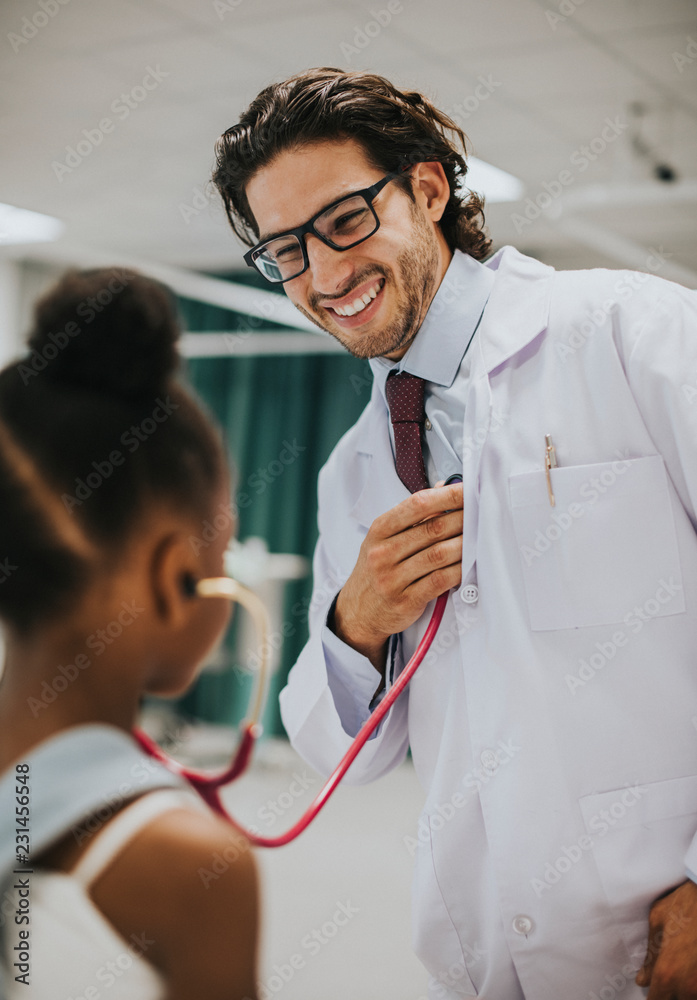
[[345, 223]]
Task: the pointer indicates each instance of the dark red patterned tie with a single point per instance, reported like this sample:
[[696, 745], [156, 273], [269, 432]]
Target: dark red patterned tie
[[405, 398]]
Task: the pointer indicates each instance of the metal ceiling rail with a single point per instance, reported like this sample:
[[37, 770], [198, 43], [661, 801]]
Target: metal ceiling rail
[[188, 284], [240, 344]]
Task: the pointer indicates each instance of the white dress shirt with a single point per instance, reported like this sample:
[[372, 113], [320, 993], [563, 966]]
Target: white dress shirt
[[440, 355]]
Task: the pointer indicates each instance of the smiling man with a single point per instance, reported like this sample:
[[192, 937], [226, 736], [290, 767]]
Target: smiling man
[[557, 757], [392, 280]]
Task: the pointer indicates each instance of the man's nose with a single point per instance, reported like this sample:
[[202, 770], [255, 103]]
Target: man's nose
[[331, 269]]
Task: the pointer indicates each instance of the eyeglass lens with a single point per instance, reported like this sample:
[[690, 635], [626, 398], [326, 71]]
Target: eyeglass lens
[[343, 225]]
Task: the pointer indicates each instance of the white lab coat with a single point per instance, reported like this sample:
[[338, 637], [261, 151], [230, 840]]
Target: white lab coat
[[554, 723]]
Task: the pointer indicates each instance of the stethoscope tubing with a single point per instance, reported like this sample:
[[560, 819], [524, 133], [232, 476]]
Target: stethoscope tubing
[[362, 737], [208, 786]]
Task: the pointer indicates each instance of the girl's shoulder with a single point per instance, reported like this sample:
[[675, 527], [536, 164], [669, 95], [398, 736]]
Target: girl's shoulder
[[167, 869]]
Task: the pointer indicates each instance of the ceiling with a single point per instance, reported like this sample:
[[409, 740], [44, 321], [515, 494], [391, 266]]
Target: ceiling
[[552, 76]]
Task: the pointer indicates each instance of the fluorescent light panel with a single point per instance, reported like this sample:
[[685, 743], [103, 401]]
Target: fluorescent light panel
[[495, 184], [19, 225]]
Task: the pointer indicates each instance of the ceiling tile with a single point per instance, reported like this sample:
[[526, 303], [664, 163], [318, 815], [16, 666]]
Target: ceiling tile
[[553, 84], [623, 16], [84, 28]]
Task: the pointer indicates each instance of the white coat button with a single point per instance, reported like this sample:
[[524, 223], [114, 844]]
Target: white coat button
[[523, 925], [489, 759], [470, 593], [428, 425]]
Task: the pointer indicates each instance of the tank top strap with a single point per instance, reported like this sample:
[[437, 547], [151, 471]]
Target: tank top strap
[[125, 825]]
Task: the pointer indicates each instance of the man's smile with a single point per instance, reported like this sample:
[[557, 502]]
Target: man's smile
[[359, 306]]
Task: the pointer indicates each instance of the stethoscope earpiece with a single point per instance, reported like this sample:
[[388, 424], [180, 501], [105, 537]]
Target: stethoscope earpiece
[[189, 585]]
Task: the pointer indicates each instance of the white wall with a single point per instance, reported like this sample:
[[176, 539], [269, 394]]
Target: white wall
[[21, 282], [9, 336], [10, 284]]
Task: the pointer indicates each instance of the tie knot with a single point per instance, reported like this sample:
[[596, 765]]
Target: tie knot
[[405, 398]]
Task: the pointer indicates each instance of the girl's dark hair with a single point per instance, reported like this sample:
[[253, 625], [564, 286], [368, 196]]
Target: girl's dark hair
[[394, 127], [94, 429]]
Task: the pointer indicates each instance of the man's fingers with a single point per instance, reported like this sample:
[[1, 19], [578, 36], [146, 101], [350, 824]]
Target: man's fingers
[[436, 583], [418, 507], [446, 552], [398, 577], [428, 533], [652, 952]]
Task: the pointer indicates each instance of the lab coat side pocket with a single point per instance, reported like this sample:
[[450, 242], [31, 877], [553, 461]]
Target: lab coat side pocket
[[436, 941], [608, 544], [640, 835]]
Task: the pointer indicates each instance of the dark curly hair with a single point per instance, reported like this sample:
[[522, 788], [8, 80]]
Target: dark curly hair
[[95, 428], [396, 128]]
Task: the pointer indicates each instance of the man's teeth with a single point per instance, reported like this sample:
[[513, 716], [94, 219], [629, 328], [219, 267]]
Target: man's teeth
[[358, 305]]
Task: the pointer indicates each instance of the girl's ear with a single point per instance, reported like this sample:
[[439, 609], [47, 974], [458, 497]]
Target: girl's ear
[[174, 570]]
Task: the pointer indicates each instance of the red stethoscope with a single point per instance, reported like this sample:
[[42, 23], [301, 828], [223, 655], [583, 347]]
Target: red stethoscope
[[208, 785]]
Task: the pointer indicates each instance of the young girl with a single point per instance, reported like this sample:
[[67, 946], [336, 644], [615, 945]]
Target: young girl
[[108, 469]]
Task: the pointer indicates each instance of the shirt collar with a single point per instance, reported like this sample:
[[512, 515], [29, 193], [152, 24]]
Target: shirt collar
[[440, 345]]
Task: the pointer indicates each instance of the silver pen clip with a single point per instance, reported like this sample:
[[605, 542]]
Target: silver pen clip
[[550, 463]]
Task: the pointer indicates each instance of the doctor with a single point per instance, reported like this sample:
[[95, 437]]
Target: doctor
[[554, 723]]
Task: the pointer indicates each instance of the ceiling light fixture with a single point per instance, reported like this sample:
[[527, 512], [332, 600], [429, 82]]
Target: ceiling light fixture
[[19, 225], [495, 184]]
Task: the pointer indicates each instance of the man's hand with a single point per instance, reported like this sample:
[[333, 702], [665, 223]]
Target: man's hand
[[670, 966], [411, 555]]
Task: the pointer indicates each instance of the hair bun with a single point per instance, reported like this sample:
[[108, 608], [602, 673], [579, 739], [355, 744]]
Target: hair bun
[[110, 329]]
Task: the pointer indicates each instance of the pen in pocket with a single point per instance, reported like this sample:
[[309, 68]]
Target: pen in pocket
[[550, 463]]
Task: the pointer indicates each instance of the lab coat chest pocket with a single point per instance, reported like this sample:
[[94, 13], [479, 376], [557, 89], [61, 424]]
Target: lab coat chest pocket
[[607, 545], [639, 837]]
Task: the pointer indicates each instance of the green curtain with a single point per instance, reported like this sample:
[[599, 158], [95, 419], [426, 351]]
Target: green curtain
[[300, 403]]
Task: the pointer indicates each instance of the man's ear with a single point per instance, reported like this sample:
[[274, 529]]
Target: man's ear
[[174, 570], [431, 187]]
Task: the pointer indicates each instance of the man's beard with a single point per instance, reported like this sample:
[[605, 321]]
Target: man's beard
[[417, 268]]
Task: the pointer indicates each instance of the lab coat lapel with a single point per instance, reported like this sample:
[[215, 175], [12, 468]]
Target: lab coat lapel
[[518, 307], [383, 489], [516, 313], [477, 424]]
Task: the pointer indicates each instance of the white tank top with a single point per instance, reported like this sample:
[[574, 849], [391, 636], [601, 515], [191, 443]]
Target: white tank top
[[72, 945]]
